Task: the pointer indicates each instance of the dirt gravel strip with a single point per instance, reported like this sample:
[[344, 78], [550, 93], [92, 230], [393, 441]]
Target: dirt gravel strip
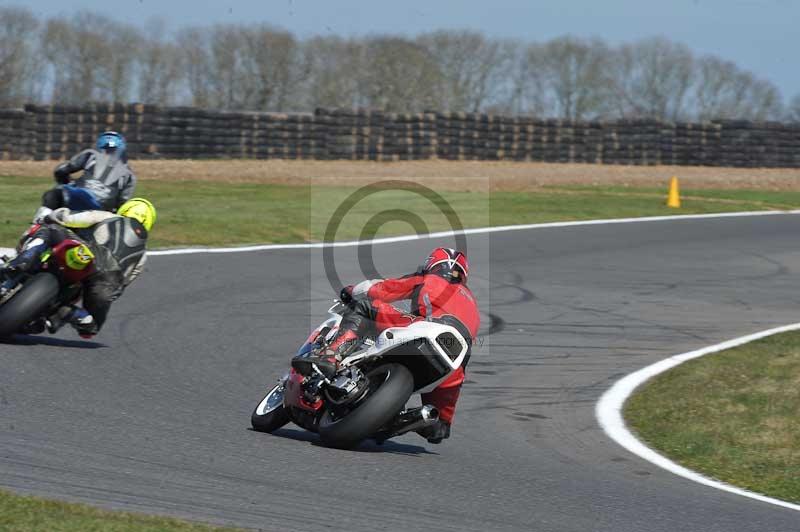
[[471, 174]]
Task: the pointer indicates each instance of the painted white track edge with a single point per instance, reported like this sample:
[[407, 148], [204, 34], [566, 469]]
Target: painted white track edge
[[473, 231], [609, 414], [441, 234]]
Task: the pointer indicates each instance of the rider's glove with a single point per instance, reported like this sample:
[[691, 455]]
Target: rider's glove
[[55, 217], [61, 173], [346, 295], [41, 215]]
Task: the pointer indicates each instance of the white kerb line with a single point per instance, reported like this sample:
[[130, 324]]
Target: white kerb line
[[609, 414]]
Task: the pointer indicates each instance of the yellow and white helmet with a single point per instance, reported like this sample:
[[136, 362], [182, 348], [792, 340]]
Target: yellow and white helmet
[[139, 209]]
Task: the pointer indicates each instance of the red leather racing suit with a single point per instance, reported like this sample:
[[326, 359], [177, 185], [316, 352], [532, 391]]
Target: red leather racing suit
[[432, 297]]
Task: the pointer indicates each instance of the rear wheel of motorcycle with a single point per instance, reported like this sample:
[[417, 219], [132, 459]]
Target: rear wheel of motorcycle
[[28, 304], [395, 385], [270, 413]]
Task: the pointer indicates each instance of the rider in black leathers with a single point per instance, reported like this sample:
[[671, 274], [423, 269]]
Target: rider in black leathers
[[117, 242]]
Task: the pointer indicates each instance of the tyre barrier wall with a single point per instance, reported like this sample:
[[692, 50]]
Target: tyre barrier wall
[[56, 132]]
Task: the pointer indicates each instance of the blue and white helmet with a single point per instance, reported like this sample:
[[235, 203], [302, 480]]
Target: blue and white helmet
[[111, 140]]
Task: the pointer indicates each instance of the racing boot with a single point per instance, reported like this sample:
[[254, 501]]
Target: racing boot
[[327, 358], [83, 322], [59, 318]]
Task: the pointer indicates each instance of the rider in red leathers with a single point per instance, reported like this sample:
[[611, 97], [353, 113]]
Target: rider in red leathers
[[438, 292]]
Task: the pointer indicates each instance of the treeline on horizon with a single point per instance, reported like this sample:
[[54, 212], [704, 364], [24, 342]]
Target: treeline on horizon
[[91, 57]]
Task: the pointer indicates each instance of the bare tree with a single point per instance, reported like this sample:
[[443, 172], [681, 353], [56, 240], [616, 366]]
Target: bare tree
[[18, 69], [717, 93], [242, 67], [472, 69], [400, 75], [529, 94], [722, 90], [651, 78], [270, 69], [72, 59], [159, 66], [90, 61], [116, 77], [90, 57], [226, 43], [765, 101], [193, 44], [565, 77], [334, 68]]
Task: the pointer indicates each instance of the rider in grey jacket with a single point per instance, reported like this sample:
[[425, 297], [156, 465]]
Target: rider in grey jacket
[[106, 183]]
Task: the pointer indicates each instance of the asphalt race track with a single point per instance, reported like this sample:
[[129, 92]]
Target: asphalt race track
[[154, 416]]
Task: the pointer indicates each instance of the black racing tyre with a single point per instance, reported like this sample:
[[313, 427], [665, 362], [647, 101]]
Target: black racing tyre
[[28, 304], [270, 414], [395, 386]]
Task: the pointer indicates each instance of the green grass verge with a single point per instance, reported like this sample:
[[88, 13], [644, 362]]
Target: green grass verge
[[731, 415], [32, 514], [212, 213]]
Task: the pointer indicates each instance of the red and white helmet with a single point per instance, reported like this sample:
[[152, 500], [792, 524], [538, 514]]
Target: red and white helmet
[[447, 263]]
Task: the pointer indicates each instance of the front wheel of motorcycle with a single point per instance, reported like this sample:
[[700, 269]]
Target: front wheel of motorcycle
[[29, 303], [391, 385], [270, 414]]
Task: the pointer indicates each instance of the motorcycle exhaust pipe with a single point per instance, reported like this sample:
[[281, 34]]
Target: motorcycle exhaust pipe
[[414, 419]]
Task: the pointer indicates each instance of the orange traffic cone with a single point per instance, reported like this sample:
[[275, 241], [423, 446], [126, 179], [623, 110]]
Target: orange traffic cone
[[674, 198]]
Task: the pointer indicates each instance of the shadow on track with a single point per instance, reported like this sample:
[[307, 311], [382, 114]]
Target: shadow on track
[[20, 339], [367, 446]]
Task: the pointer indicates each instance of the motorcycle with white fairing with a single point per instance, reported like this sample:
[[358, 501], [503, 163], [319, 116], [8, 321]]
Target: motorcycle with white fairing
[[366, 397]]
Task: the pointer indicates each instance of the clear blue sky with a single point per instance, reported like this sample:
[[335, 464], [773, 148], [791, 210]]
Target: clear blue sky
[[762, 36]]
